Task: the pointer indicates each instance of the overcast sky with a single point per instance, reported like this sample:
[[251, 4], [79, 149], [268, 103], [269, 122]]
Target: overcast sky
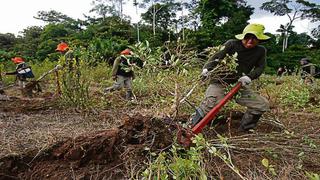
[[16, 15]]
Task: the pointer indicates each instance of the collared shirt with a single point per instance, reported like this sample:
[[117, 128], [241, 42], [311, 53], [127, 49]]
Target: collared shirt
[[251, 62]]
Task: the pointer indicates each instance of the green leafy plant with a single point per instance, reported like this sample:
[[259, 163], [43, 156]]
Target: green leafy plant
[[270, 168], [75, 85], [312, 176]]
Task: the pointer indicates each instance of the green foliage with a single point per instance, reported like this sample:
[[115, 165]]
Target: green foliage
[[179, 164], [312, 176], [296, 95], [100, 50], [27, 45], [164, 14], [75, 85], [189, 164], [7, 41], [270, 168]]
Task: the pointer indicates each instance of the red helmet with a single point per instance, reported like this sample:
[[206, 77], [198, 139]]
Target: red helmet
[[17, 60], [62, 47], [126, 52]]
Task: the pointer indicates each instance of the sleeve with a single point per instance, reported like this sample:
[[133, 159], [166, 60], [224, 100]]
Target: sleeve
[[260, 65], [216, 58], [18, 68], [312, 69], [115, 66], [12, 73]]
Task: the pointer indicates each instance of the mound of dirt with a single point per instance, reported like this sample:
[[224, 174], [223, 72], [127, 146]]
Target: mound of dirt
[[104, 154]]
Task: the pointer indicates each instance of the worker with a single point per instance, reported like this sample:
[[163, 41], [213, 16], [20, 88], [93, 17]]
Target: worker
[[251, 63], [122, 72], [70, 60], [282, 71], [307, 71], [22, 72]]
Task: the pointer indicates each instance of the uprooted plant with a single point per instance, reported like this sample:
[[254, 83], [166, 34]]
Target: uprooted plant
[[189, 164]]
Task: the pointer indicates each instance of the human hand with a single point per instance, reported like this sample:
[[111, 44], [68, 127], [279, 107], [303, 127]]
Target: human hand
[[114, 78], [245, 80], [204, 74]]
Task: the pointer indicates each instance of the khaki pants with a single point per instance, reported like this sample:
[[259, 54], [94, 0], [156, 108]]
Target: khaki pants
[[255, 103], [121, 81]]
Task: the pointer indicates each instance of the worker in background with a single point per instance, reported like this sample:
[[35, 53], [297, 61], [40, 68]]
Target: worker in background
[[307, 71], [122, 72], [282, 71], [70, 60], [251, 63], [23, 71]]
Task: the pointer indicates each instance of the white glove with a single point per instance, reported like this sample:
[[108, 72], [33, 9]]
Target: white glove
[[245, 80], [205, 73]]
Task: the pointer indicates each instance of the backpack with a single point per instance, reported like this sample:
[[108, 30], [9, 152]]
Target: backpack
[[24, 71]]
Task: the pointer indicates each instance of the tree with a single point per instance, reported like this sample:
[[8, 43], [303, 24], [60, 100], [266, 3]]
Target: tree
[[220, 20], [135, 4], [28, 43], [161, 15], [293, 9], [52, 16], [153, 10], [285, 31], [108, 7], [7, 41]]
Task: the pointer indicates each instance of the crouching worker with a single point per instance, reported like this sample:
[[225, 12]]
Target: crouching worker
[[23, 71], [308, 71], [251, 63], [122, 72]]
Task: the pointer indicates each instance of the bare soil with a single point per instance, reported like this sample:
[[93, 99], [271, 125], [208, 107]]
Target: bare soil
[[40, 140]]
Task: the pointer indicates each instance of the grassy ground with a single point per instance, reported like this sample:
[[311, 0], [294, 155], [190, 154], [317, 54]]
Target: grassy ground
[[285, 144]]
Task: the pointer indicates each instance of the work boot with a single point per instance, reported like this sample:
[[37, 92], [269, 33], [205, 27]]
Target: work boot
[[129, 95], [197, 116], [249, 121], [107, 90]]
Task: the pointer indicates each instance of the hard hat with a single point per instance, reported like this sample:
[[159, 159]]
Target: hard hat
[[255, 29], [126, 52], [17, 60], [62, 47]]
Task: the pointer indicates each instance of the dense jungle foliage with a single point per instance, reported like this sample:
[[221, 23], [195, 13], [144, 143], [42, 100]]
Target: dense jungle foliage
[[203, 24]]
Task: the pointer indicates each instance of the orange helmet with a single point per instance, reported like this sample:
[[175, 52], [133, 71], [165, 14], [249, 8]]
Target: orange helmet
[[126, 52], [62, 47], [17, 60]]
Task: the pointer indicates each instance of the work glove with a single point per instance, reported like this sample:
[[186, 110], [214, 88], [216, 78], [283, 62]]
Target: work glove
[[245, 80], [204, 74]]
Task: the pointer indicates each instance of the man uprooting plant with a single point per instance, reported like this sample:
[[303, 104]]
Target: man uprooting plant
[[251, 63]]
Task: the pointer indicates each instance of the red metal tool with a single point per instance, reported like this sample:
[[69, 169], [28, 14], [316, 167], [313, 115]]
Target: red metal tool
[[209, 117]]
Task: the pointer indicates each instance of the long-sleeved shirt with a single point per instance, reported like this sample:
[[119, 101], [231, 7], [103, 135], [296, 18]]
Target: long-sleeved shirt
[[123, 66], [251, 62]]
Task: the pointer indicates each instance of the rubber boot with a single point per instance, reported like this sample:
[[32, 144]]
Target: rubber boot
[[129, 95], [107, 90], [249, 121], [197, 116]]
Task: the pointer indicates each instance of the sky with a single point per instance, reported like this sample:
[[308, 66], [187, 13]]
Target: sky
[[16, 15]]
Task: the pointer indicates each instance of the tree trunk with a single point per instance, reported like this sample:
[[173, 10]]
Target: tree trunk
[[154, 20]]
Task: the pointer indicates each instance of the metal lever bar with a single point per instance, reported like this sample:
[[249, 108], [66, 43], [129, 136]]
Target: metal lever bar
[[213, 112]]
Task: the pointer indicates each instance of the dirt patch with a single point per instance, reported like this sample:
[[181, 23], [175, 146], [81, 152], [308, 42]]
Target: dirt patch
[[110, 150]]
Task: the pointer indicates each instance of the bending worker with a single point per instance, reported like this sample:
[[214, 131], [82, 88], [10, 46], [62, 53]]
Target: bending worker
[[251, 63]]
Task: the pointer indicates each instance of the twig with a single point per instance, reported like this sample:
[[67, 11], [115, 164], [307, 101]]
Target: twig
[[39, 152]]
